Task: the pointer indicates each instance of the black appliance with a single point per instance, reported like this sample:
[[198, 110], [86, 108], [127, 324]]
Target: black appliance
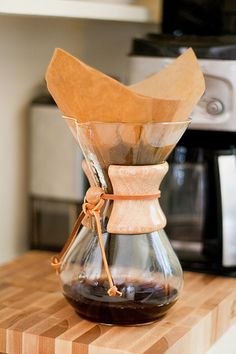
[[199, 191]]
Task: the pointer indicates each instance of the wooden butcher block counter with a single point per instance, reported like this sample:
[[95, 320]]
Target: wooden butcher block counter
[[36, 319]]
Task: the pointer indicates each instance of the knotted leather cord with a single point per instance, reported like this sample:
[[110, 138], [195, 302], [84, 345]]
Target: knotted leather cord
[[91, 209]]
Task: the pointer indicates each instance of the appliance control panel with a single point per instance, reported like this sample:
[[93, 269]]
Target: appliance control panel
[[216, 105]]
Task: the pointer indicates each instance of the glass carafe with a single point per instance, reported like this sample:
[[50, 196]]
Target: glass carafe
[[184, 199], [124, 158]]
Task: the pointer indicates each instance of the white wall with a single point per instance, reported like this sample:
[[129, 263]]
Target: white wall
[[26, 47]]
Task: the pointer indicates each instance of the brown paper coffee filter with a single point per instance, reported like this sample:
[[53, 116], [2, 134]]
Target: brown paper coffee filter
[[181, 80], [86, 94]]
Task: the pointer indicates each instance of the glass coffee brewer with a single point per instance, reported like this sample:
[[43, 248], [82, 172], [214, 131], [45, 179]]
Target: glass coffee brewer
[[120, 268]]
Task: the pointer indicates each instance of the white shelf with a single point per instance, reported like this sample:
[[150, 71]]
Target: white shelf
[[75, 9]]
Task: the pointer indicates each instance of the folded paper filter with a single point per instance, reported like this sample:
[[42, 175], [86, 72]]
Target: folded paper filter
[[85, 94], [137, 135]]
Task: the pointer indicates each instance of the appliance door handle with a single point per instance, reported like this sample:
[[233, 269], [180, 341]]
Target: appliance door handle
[[227, 180]]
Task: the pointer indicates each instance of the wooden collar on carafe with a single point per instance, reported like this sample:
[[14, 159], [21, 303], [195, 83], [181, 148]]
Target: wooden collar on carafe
[[93, 203]]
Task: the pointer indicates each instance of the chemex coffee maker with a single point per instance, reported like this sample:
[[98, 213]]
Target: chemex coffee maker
[[199, 191], [117, 266]]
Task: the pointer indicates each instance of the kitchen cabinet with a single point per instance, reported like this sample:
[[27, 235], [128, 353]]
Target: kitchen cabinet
[[77, 9]]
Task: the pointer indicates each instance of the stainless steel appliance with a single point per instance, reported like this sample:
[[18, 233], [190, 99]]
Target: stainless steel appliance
[[200, 188], [57, 183]]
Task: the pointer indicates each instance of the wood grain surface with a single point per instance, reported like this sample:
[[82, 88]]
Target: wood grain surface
[[144, 215], [36, 319]]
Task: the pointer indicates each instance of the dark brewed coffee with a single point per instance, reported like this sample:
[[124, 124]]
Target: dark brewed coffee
[[140, 302]]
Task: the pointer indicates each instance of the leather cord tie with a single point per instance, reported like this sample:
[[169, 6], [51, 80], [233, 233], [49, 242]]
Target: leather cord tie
[[93, 203]]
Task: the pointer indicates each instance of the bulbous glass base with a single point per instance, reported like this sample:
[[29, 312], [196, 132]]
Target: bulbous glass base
[[143, 267]]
